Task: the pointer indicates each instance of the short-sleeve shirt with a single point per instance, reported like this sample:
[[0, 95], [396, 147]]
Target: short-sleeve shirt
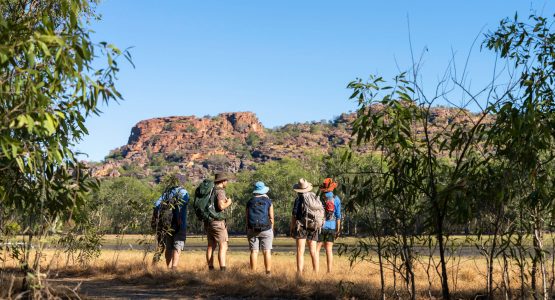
[[220, 196]]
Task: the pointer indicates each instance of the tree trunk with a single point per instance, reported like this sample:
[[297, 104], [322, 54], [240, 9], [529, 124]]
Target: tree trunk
[[492, 257], [378, 238], [439, 235], [538, 248]]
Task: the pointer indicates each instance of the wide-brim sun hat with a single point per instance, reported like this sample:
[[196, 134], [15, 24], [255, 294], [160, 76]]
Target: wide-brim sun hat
[[302, 186], [328, 185], [219, 177], [260, 188]]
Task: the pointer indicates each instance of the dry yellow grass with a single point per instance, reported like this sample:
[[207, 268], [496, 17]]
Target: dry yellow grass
[[131, 274]]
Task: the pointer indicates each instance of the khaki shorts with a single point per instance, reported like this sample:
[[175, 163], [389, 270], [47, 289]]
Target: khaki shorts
[[216, 231]]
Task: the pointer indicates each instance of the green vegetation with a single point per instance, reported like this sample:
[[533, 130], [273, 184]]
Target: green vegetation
[[487, 182], [52, 76], [492, 178]]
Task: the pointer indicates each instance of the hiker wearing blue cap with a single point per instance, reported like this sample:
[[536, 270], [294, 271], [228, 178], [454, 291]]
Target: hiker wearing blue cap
[[260, 225], [332, 225]]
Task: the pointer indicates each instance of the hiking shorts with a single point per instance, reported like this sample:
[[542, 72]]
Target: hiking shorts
[[302, 233], [260, 239], [172, 244], [327, 235], [216, 231]]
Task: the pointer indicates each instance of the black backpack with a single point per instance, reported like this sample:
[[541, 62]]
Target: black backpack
[[258, 210]]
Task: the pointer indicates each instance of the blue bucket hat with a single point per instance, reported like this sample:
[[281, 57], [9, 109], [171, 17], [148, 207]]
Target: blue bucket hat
[[260, 188]]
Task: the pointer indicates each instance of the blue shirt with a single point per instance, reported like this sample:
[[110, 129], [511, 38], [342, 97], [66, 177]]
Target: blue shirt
[[330, 224], [179, 219]]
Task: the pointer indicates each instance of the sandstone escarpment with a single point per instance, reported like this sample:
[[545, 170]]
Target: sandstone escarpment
[[197, 147]]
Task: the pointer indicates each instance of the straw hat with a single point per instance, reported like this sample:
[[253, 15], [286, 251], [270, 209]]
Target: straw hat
[[302, 186]]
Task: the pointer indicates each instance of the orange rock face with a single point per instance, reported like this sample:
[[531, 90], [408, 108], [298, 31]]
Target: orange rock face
[[197, 147]]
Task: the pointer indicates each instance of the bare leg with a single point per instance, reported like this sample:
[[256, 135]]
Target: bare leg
[[318, 247], [329, 255], [175, 258], [210, 254], [268, 260], [254, 256], [314, 255], [300, 255], [221, 253]]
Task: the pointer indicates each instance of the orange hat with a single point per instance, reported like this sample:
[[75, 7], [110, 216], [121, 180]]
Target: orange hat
[[328, 185]]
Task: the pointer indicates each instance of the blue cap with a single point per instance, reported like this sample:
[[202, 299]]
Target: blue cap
[[329, 195], [260, 188]]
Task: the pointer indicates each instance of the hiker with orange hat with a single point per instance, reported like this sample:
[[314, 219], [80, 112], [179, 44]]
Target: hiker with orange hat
[[332, 225]]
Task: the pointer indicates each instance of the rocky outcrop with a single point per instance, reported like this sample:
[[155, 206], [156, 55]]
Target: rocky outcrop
[[197, 147]]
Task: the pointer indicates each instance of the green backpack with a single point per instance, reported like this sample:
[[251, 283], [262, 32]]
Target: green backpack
[[203, 204]]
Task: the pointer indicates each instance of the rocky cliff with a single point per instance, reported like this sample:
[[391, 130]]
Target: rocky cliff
[[196, 147]]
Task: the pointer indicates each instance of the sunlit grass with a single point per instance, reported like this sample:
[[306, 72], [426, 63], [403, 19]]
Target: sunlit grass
[[128, 268]]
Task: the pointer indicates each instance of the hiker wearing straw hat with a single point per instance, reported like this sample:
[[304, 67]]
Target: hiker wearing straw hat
[[260, 225], [332, 225], [306, 221]]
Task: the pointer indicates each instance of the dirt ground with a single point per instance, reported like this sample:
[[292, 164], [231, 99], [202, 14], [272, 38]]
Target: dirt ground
[[115, 289]]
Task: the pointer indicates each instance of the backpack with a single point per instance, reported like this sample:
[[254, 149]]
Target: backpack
[[162, 215], [329, 207], [258, 210], [312, 212], [203, 204]]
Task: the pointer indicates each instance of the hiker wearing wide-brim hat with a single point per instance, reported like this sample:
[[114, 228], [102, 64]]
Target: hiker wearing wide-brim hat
[[260, 225], [260, 188], [306, 221], [328, 185], [332, 226], [303, 186], [216, 230], [220, 177]]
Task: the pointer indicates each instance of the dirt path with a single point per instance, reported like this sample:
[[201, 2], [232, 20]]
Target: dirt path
[[93, 288], [115, 289]]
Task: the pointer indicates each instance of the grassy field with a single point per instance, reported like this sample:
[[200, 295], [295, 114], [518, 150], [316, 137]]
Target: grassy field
[[240, 240], [131, 274]]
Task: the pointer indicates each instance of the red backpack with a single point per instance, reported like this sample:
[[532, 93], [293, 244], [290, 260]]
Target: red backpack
[[329, 207]]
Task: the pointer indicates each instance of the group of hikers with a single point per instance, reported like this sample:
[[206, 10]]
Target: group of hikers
[[316, 219]]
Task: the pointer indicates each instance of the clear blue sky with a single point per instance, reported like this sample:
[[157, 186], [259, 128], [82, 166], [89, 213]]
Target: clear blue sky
[[287, 60]]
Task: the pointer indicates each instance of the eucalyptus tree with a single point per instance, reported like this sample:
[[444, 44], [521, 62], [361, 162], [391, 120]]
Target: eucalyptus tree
[[50, 81], [524, 132], [398, 121]]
